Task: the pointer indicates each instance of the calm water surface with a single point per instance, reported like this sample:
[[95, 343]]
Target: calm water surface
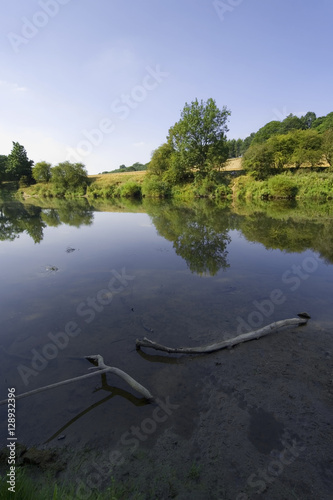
[[183, 276]]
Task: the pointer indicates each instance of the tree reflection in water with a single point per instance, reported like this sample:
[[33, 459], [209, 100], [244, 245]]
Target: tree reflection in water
[[17, 218], [199, 234]]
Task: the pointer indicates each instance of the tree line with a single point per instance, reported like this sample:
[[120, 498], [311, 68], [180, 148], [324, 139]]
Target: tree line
[[291, 143], [18, 167], [238, 147], [197, 147], [136, 167], [195, 152], [294, 141]]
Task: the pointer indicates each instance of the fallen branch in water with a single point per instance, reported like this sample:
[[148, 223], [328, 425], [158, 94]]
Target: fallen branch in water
[[255, 334], [100, 369]]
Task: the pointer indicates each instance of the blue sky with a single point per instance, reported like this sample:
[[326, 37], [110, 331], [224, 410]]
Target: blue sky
[[103, 81]]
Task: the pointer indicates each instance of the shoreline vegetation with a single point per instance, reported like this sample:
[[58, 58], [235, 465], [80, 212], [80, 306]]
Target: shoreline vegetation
[[232, 184], [287, 159]]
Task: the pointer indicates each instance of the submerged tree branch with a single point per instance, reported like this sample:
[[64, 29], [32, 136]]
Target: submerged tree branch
[[101, 368], [256, 334]]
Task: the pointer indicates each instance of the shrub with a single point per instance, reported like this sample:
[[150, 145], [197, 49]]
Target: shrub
[[130, 189], [282, 186], [153, 187]]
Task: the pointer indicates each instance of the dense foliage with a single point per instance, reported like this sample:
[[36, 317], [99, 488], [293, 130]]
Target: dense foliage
[[294, 142], [3, 167], [18, 165], [68, 175], [42, 171], [190, 164], [196, 148]]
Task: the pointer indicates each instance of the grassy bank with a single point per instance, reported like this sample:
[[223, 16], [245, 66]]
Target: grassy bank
[[125, 184], [28, 486], [231, 183], [299, 185]]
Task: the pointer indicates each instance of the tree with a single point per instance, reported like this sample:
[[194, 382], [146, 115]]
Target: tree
[[309, 119], [258, 161], [3, 167], [18, 163], [291, 122], [324, 123], [308, 148], [267, 131], [160, 159], [199, 138], [41, 172], [283, 147], [232, 153], [68, 175], [239, 145], [327, 146]]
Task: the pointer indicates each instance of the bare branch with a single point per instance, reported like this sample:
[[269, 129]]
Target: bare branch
[[101, 368], [256, 334]]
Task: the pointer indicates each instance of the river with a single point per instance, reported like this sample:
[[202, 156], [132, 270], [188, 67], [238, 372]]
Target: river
[[80, 280]]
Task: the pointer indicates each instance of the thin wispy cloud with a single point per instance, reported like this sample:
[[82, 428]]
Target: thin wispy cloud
[[12, 87]]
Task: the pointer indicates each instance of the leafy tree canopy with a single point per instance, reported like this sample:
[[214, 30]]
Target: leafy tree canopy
[[3, 167], [68, 175], [18, 163], [199, 137], [41, 172]]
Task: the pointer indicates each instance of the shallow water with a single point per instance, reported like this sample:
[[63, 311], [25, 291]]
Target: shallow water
[[76, 281]]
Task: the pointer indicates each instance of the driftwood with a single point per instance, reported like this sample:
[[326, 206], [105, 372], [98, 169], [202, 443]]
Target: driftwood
[[101, 368], [256, 334]]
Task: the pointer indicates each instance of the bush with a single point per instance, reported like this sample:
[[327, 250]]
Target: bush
[[130, 190], [282, 186], [153, 187], [69, 176]]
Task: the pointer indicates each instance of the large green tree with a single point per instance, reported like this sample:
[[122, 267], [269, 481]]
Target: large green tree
[[265, 132], [308, 148], [327, 146], [41, 172], [18, 164], [3, 167], [258, 161], [199, 138], [161, 159], [68, 175]]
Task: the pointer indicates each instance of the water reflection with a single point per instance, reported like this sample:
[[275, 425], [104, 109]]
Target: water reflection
[[17, 218], [288, 226], [114, 391], [199, 234]]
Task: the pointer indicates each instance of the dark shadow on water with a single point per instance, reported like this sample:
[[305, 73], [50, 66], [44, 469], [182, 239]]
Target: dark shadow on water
[[158, 358], [115, 391]]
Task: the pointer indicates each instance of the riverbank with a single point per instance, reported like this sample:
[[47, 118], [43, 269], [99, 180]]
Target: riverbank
[[231, 183]]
